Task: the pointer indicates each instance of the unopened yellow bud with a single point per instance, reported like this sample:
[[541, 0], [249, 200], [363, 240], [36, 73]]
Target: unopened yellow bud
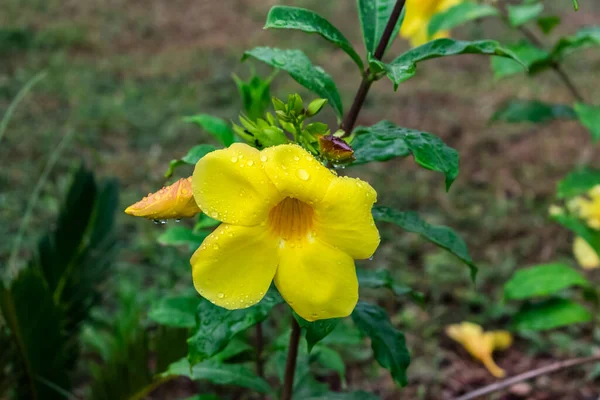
[[174, 201]]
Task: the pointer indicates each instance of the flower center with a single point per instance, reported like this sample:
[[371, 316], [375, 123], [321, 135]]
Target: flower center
[[291, 219]]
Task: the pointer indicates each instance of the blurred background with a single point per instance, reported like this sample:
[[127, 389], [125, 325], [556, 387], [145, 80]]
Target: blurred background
[[121, 74]]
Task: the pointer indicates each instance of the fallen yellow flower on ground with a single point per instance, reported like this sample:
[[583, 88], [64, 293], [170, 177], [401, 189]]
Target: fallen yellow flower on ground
[[418, 15], [481, 344], [174, 201], [585, 255]]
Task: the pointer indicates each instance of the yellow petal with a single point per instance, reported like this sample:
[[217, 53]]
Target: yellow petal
[[235, 265], [296, 173], [174, 201], [231, 186], [491, 366], [344, 220], [317, 280], [501, 340], [585, 254]]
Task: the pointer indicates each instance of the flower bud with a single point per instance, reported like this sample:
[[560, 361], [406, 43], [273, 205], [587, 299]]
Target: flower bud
[[174, 201], [335, 149], [315, 106]]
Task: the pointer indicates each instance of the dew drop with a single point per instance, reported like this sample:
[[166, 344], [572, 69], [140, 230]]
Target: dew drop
[[263, 158], [303, 174], [220, 295], [216, 247], [296, 158], [250, 163], [234, 159]]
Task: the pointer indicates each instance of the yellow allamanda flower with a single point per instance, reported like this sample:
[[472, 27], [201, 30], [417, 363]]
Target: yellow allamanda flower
[[584, 253], [417, 17], [588, 208], [174, 201], [481, 344]]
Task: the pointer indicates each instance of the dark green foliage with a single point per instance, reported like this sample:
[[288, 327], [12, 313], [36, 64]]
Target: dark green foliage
[[535, 111], [317, 330], [578, 182], [542, 280], [255, 94], [458, 15], [373, 16], [550, 314]]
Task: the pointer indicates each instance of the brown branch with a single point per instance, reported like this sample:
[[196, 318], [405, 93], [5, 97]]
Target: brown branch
[[555, 367], [290, 364], [365, 85]]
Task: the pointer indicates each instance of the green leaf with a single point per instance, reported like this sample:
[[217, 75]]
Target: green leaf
[[380, 278], [547, 24], [578, 182], [191, 158], [584, 38], [217, 127], [533, 59], [182, 236], [374, 16], [36, 327], [521, 14], [388, 343], [216, 326], [537, 112], [204, 221], [458, 15], [360, 395], [283, 17], [331, 360], [233, 349], [176, 311], [317, 330], [442, 236], [404, 67], [551, 314], [577, 226], [255, 94], [542, 280], [297, 64], [219, 374], [589, 116]]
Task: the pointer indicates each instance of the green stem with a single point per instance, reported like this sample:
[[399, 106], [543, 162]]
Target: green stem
[[143, 392]]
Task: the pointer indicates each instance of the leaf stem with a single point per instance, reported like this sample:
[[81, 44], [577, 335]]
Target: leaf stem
[[290, 365], [555, 367], [365, 85]]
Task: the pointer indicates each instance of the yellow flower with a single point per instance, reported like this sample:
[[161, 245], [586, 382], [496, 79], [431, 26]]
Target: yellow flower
[[417, 17], [285, 218], [584, 253], [588, 208], [481, 344], [174, 201]]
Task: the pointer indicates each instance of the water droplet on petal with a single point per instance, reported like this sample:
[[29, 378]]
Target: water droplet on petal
[[220, 295], [234, 159], [263, 158], [303, 174], [296, 158]]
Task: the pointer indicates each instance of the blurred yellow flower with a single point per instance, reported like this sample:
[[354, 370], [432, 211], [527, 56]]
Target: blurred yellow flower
[[584, 253], [285, 218], [588, 208], [417, 17], [174, 201], [481, 344]]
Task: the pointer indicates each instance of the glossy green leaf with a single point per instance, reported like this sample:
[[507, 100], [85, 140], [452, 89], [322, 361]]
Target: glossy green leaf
[[442, 236], [374, 16], [578, 182], [297, 64], [255, 94], [385, 140], [219, 374], [542, 280], [550, 314], [589, 116], [181, 236], [458, 15], [360, 395], [584, 38], [233, 349], [533, 59], [388, 343], [216, 326], [380, 278], [547, 24], [217, 127], [283, 17], [316, 330], [204, 221], [191, 158], [579, 227], [521, 14], [330, 360], [535, 111], [176, 311], [404, 67]]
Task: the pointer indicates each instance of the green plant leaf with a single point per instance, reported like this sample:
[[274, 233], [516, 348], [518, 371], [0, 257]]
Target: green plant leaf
[[255, 94], [405, 66], [533, 60], [547, 24], [578, 182], [374, 16], [331, 360], [550, 314], [283, 17], [542, 280], [380, 278], [521, 14], [589, 116], [182, 236], [388, 343], [317, 330], [216, 326], [458, 15], [442, 236], [217, 127], [535, 111], [360, 395], [175, 311], [584, 38], [297, 64], [219, 374], [191, 158], [385, 140], [577, 226]]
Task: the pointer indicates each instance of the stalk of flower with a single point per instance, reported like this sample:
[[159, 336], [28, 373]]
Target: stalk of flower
[[417, 17]]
